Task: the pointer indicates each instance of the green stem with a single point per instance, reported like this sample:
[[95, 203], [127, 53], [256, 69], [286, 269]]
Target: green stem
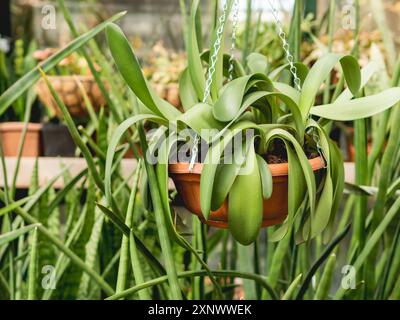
[[187, 274], [68, 252], [124, 257]]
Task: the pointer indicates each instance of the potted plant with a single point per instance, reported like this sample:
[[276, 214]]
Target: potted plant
[[288, 128], [16, 127], [73, 83]]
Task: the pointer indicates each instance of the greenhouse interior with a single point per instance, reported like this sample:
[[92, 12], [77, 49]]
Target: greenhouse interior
[[200, 150]]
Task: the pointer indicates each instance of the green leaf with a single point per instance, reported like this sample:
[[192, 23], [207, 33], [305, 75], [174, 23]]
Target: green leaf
[[358, 108], [194, 61], [11, 207], [292, 287], [229, 102], [29, 79], [116, 137], [326, 279], [212, 161], [224, 178], [12, 235], [187, 92], [244, 220], [320, 71], [257, 62], [266, 177], [129, 67]]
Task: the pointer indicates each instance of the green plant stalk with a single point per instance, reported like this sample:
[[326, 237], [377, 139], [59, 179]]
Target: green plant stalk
[[326, 279], [198, 283], [160, 221], [292, 288], [58, 243], [361, 178], [137, 269], [83, 51], [245, 264], [95, 73], [28, 108], [389, 263], [74, 133], [393, 272], [246, 44], [263, 281], [325, 254], [331, 30], [19, 274], [380, 135], [378, 12], [124, 257], [372, 241], [33, 266], [7, 224]]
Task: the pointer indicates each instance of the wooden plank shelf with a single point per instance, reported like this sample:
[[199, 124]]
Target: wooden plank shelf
[[51, 167]]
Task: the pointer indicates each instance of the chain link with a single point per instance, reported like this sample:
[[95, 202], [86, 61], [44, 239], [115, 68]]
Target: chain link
[[233, 43], [293, 69], [211, 71], [285, 46]]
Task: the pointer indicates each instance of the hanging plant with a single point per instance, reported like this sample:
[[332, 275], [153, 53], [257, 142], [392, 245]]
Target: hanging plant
[[287, 127]]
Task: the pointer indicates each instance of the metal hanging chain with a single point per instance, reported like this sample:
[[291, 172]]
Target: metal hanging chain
[[285, 45], [233, 43], [211, 69], [293, 68]]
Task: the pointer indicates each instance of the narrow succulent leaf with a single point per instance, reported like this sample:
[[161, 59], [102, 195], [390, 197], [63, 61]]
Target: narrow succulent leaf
[[33, 266], [129, 67], [292, 287], [266, 177], [245, 221], [12, 235], [320, 71], [187, 92], [358, 108]]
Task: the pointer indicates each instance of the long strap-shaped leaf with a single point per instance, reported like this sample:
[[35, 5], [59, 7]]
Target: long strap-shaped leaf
[[320, 71], [129, 67], [358, 108], [162, 177]]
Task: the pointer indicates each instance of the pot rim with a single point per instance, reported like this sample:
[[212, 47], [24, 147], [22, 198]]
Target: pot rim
[[18, 126], [277, 169]]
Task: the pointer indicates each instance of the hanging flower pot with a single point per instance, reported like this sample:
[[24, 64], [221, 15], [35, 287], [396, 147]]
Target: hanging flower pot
[[68, 89], [275, 208], [11, 133]]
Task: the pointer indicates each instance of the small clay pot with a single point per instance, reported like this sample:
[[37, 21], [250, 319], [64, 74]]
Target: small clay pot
[[275, 208], [68, 90], [10, 137]]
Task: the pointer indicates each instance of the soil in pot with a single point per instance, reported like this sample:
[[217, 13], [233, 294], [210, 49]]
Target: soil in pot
[[57, 141], [275, 208], [10, 136]]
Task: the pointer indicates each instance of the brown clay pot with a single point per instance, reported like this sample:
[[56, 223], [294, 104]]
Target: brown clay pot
[[10, 136], [275, 208], [67, 88]]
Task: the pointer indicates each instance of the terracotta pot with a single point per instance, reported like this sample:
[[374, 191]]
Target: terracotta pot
[[11, 132], [275, 208], [351, 151], [68, 89]]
